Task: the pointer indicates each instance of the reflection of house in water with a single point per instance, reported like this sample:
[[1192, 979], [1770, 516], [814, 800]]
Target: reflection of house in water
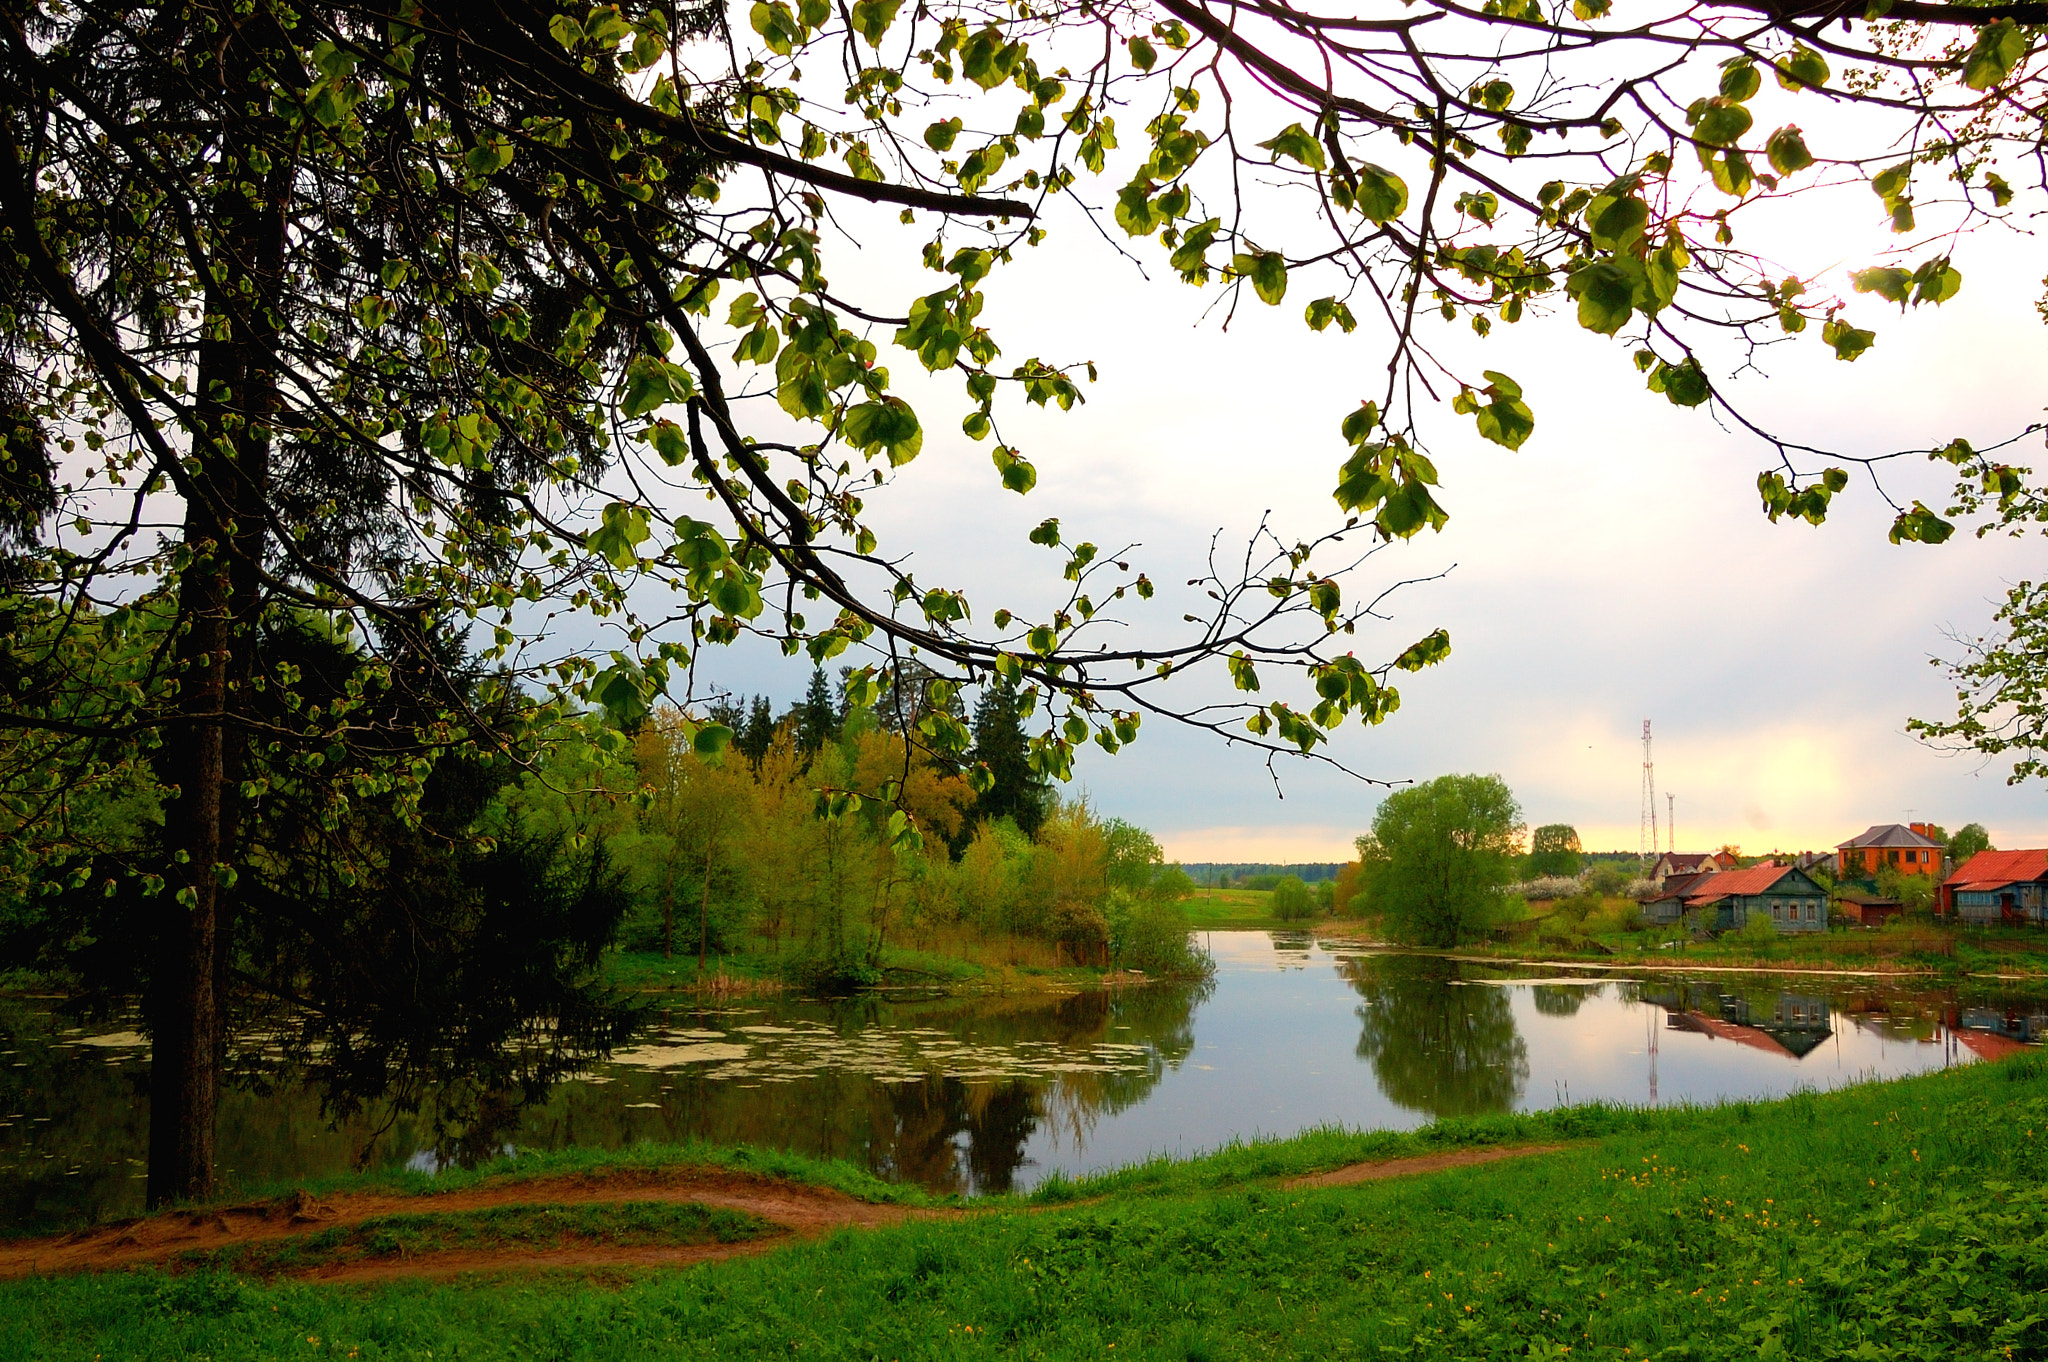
[[1991, 1033], [1794, 1025]]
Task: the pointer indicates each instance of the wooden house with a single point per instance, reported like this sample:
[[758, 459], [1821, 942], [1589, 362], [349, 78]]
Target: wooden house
[[1726, 902], [1908, 850], [1998, 886], [1689, 863], [1866, 910]]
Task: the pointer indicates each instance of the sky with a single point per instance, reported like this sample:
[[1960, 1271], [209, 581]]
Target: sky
[[1616, 568]]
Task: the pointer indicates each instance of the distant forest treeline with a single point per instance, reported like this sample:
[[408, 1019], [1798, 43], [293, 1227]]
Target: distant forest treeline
[[1234, 872]]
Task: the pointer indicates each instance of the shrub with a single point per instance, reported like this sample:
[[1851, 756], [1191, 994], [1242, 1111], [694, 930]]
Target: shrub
[[1548, 887], [1292, 901]]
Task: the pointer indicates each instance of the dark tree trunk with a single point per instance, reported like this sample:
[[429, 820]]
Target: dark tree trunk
[[219, 605]]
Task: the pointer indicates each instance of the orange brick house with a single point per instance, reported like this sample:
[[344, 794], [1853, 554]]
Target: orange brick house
[[1909, 850]]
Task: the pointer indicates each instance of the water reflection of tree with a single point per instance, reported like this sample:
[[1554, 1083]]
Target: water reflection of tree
[[1562, 1000], [1434, 1047], [948, 1134]]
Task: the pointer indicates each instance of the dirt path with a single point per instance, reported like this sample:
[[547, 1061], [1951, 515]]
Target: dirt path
[[1423, 1163], [799, 1211], [794, 1207]]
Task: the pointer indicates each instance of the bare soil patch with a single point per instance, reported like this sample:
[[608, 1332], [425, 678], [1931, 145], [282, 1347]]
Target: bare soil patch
[[1422, 1163], [795, 1208]]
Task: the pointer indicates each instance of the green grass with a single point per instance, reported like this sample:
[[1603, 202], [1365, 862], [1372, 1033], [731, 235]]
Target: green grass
[[1898, 1220], [539, 1227], [1910, 947], [1233, 910], [531, 1165]]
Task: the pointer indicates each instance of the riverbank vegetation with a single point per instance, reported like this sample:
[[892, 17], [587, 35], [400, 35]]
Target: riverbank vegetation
[[834, 849], [1890, 1219]]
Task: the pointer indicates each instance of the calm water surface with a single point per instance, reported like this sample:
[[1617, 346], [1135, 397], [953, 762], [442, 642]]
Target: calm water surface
[[988, 1093]]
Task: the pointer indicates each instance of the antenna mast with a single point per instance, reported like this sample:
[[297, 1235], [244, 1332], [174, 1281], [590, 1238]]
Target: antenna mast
[[1646, 842], [1671, 821]]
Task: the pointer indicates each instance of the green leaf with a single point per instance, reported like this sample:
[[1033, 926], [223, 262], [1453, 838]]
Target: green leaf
[[888, 425], [777, 26], [1891, 183], [1360, 424], [1506, 420], [1016, 471], [1848, 341], [1605, 290], [1739, 80], [1684, 384], [2001, 192], [1731, 173], [1380, 194], [652, 382], [622, 529], [871, 18], [1323, 311], [1134, 208], [488, 158], [1920, 525], [1616, 222], [1937, 281], [1143, 55], [1998, 50], [1805, 69], [670, 443], [1268, 272], [620, 690], [711, 740], [939, 136], [1242, 674], [1296, 143], [1787, 151], [566, 31], [1722, 122], [1425, 652], [1889, 284]]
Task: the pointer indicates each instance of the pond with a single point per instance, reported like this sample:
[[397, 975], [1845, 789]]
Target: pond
[[989, 1093]]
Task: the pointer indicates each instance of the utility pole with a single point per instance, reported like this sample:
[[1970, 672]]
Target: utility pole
[[1646, 841]]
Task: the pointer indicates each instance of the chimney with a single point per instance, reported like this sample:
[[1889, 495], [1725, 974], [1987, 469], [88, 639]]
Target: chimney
[[1924, 829]]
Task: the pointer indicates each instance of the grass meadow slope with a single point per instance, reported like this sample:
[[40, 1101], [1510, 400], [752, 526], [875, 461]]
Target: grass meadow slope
[[1898, 1220]]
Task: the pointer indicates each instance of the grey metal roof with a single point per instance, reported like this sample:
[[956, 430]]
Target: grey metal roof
[[1888, 835]]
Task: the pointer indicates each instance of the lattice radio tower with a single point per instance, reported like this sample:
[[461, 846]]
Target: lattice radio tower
[[1647, 841]]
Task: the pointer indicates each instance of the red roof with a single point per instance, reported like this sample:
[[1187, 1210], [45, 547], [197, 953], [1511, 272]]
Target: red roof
[[1990, 1045], [1735, 1031], [1758, 879], [1990, 869]]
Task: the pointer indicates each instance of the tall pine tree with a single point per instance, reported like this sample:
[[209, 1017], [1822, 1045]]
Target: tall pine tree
[[1017, 792]]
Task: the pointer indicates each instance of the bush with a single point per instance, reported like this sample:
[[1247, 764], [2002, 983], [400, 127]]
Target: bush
[[1292, 901], [1757, 933], [1152, 934], [1548, 887], [1607, 878]]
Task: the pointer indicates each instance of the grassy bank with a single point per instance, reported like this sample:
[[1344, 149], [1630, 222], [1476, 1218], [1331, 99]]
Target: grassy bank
[[980, 965], [1893, 1220], [1899, 947]]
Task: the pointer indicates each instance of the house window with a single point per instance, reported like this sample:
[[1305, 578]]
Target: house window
[[1777, 912], [1809, 912]]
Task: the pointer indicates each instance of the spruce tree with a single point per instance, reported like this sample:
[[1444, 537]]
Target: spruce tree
[[817, 718], [1016, 791]]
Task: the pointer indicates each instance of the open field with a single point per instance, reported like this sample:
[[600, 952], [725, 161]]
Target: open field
[[1219, 910], [1892, 1220]]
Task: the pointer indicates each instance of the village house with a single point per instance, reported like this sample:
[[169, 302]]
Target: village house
[[1724, 902], [1997, 886], [1689, 863], [1866, 910], [1908, 850]]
